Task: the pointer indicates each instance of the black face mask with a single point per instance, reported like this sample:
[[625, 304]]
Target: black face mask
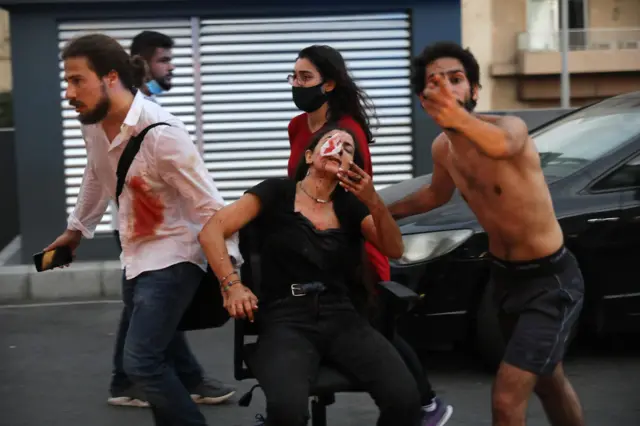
[[309, 99]]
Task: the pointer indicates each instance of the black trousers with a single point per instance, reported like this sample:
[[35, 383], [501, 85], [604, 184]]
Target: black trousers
[[412, 361], [297, 333], [377, 314]]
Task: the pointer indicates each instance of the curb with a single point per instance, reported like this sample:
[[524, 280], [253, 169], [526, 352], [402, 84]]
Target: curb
[[83, 280]]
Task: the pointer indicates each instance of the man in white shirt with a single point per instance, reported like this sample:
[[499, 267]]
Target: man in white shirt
[[167, 197], [156, 50]]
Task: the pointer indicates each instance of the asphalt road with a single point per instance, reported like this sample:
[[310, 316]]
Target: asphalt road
[[55, 366]]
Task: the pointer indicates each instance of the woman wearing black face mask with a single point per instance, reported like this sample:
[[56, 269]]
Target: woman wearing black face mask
[[324, 90]]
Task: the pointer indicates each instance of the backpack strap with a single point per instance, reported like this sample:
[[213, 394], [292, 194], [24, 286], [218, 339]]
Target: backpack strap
[[128, 155]]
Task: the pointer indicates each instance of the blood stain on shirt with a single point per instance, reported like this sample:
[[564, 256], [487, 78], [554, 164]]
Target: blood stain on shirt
[[148, 209]]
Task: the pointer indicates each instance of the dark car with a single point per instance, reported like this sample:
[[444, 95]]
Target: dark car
[[591, 161]]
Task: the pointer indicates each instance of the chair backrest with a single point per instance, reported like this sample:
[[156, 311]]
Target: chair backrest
[[250, 246], [250, 243]]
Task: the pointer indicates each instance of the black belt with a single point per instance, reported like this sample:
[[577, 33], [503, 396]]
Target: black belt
[[298, 290]]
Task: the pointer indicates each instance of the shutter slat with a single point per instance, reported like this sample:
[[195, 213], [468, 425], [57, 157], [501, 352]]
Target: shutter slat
[[246, 100]]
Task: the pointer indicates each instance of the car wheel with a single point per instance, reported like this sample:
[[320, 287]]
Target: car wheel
[[489, 343]]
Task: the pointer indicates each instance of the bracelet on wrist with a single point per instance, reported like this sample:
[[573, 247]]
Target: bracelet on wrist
[[222, 280], [228, 286]]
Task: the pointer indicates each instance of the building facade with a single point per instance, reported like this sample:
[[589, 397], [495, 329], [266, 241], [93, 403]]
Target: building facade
[[230, 89], [518, 45], [5, 53]]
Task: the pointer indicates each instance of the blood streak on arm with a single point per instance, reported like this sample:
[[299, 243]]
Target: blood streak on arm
[[147, 208]]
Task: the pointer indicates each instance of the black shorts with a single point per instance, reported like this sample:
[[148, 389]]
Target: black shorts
[[539, 304]]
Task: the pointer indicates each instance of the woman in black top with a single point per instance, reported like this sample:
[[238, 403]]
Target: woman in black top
[[312, 230]]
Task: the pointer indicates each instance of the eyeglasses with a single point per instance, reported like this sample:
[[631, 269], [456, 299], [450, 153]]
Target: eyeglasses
[[302, 81]]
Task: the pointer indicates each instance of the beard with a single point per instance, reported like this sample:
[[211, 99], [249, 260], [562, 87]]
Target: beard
[[469, 104], [98, 113], [164, 82]]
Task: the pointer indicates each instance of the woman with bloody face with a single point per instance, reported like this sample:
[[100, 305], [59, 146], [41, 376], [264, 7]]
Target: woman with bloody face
[[327, 94], [312, 229]]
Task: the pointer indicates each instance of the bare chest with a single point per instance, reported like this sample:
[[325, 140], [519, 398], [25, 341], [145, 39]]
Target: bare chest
[[475, 175]]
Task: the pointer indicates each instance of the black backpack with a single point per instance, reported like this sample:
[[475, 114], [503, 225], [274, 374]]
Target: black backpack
[[206, 308]]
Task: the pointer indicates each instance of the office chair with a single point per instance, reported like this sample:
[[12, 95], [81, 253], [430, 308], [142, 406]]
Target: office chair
[[329, 381]]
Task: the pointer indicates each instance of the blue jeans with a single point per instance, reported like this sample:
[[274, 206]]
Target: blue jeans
[[154, 304], [187, 367]]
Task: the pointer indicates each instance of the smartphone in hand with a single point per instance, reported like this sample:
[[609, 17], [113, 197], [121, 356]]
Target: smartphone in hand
[[356, 178], [46, 260]]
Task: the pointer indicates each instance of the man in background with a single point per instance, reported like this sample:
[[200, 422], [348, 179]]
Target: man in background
[[156, 49]]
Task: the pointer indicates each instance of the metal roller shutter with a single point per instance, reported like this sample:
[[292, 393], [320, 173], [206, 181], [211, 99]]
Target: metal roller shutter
[[230, 90], [246, 100], [179, 100]]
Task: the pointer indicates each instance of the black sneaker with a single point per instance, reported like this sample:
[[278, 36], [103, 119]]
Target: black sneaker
[[129, 397], [438, 416], [211, 391]]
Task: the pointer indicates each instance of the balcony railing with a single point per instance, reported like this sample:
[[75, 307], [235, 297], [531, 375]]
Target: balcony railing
[[580, 40]]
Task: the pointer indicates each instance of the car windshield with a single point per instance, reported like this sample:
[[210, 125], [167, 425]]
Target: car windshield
[[571, 143]]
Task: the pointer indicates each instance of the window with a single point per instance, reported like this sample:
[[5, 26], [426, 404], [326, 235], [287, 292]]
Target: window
[[626, 176], [544, 20], [573, 142]]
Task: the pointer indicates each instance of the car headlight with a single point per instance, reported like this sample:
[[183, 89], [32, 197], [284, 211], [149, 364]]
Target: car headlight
[[430, 245]]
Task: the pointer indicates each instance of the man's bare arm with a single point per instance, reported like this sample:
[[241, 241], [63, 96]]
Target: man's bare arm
[[497, 137], [429, 196]]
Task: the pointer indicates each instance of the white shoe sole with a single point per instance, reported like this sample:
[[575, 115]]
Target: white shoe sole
[[208, 400], [125, 401], [447, 415]]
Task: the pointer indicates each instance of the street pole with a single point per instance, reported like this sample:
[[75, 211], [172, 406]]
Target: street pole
[[565, 90]]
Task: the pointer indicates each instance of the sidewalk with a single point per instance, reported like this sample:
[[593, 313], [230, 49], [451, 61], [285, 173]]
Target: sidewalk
[[82, 280]]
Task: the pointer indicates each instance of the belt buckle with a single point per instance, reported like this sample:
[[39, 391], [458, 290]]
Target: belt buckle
[[297, 291]]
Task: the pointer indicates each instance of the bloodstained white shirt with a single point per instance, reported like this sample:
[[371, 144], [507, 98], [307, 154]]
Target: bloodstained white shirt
[[112, 204], [167, 198]]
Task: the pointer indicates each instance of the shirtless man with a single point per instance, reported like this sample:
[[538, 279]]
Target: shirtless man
[[494, 164]]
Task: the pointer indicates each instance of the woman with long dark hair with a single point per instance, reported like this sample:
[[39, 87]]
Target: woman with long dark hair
[[311, 232], [323, 88]]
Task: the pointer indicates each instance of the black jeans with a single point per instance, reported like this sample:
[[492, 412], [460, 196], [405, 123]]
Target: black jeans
[[298, 333], [412, 361], [407, 353]]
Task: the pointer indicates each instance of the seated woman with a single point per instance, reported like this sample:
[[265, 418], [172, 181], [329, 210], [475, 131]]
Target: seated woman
[[312, 232]]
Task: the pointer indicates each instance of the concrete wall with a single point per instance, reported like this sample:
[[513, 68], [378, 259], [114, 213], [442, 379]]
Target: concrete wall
[[9, 224], [36, 88], [616, 14], [491, 27]]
